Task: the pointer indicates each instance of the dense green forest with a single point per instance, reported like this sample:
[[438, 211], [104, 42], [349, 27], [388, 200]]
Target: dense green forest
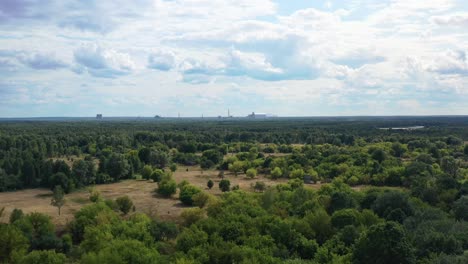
[[412, 207]]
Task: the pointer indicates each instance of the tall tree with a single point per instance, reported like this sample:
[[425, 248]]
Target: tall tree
[[58, 198]]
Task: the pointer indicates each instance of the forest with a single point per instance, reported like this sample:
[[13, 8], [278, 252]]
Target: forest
[[346, 190]]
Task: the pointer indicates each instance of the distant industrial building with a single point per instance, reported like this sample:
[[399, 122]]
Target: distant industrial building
[[259, 115], [99, 116]]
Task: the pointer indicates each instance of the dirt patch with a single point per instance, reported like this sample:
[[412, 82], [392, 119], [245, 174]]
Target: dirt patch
[[141, 193]]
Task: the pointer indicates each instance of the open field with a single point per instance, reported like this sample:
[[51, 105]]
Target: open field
[[140, 191]]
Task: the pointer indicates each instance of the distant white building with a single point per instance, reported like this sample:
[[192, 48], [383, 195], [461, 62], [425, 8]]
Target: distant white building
[[259, 115]]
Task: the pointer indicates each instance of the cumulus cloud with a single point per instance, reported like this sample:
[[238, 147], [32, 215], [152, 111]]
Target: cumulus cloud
[[41, 61], [339, 51], [458, 20], [450, 62], [101, 62], [161, 60]]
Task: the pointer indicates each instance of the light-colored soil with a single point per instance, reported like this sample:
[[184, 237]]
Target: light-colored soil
[[141, 193]]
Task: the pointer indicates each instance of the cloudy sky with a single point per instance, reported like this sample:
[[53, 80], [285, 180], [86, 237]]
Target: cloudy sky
[[290, 58]]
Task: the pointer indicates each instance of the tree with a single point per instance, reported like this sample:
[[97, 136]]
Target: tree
[[146, 172], [224, 185], [251, 173], [210, 184], [167, 187], [124, 203], [345, 217], [15, 215], [173, 167], [449, 165], [391, 200], [236, 167], [186, 194], [117, 166], [144, 155], [276, 173], [201, 199], [160, 159], [214, 155], [157, 175], [398, 149], [297, 174], [94, 195], [466, 150], [379, 155], [58, 198], [259, 186], [384, 243], [460, 208], [12, 243], [46, 256]]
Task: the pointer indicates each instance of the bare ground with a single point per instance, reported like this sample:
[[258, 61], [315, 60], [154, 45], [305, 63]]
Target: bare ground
[[141, 192]]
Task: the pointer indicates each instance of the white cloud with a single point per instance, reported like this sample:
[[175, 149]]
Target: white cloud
[[162, 60], [101, 62]]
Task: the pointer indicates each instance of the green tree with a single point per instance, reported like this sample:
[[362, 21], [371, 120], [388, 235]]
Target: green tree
[[384, 243], [94, 195], [276, 173], [259, 186], [449, 165], [117, 166], [251, 173], [58, 198], [201, 199], [146, 172], [167, 187], [41, 257], [224, 185], [157, 175], [236, 167], [460, 208], [15, 215], [297, 174], [124, 203], [398, 149], [173, 167], [123, 251], [210, 184], [12, 243], [186, 194]]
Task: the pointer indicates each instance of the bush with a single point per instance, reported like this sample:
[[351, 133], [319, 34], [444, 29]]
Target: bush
[[210, 184], [251, 173], [94, 195], [125, 204], [224, 185], [259, 186], [15, 215], [146, 172], [201, 199], [186, 194], [40, 257], [276, 173], [460, 208], [157, 175], [167, 187]]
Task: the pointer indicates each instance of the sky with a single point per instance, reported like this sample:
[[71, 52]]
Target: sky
[[202, 57]]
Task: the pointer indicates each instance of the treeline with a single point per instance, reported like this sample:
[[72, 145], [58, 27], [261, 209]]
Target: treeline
[[289, 223]]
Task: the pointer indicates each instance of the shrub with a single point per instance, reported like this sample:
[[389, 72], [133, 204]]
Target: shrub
[[224, 185], [125, 204], [186, 194]]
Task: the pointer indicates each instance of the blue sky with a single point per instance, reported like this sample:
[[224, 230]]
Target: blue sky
[[201, 57]]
